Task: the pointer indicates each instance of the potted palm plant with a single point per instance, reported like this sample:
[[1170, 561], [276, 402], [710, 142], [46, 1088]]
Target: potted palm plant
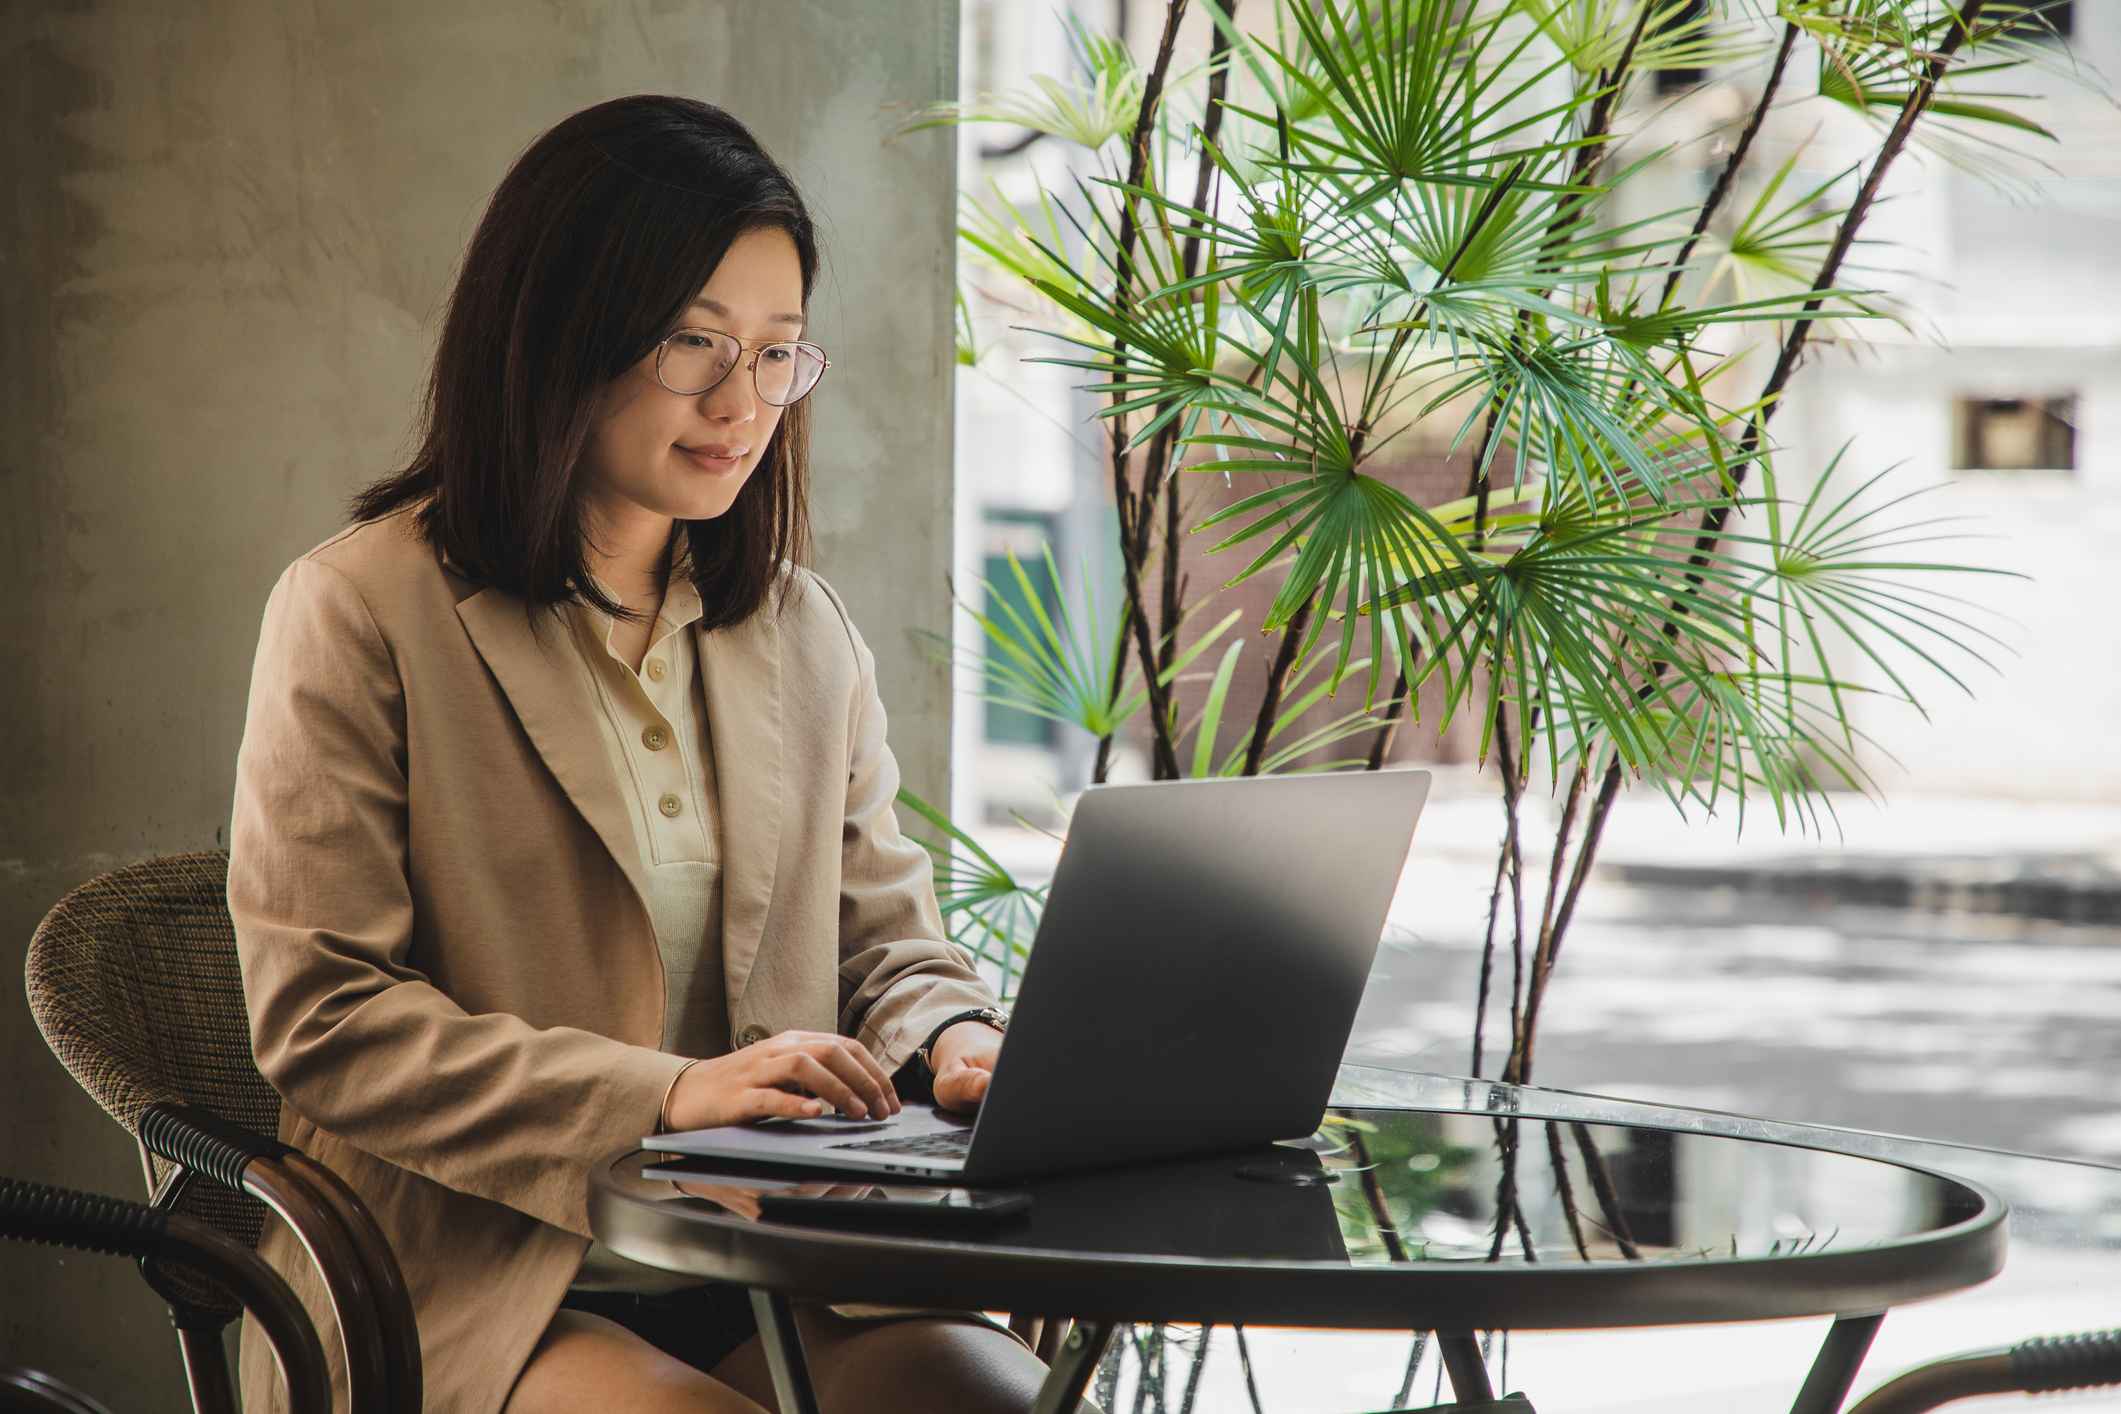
[[1362, 225]]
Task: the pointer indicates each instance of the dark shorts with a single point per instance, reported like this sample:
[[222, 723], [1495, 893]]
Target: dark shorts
[[700, 1325]]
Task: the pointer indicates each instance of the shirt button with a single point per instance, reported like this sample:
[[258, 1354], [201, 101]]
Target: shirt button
[[655, 739], [751, 1035], [669, 804], [656, 669]]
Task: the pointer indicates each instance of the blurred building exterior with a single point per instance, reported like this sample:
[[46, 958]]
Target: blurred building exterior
[[2008, 390], [2002, 393]]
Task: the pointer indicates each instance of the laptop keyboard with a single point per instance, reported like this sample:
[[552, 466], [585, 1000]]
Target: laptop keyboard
[[950, 1144]]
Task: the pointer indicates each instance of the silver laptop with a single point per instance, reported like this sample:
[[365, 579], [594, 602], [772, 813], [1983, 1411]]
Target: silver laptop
[[1191, 989]]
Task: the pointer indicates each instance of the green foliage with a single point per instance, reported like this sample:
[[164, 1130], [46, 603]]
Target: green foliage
[[1098, 107], [1411, 1173], [1870, 52], [986, 909], [1415, 225], [1308, 684], [1595, 33], [1062, 664]]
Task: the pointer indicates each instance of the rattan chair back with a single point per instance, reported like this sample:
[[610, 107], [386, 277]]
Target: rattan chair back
[[133, 980]]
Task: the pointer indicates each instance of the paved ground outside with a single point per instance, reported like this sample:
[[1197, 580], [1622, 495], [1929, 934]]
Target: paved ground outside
[[1763, 975]]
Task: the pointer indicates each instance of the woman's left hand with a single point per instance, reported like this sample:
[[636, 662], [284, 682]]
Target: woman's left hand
[[964, 1064]]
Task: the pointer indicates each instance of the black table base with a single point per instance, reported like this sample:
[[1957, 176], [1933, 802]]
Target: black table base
[[1077, 1360], [1848, 1340], [1832, 1375]]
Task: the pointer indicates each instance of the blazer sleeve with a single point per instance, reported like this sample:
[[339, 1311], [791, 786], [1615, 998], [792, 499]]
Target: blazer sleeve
[[899, 978], [343, 1023]]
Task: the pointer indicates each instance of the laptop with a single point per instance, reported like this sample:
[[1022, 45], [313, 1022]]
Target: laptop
[[1191, 988]]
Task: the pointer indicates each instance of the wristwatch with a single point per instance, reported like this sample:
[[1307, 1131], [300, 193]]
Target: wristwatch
[[993, 1016]]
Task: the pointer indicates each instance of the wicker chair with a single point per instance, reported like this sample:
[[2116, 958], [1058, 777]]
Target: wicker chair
[[161, 1241], [134, 982]]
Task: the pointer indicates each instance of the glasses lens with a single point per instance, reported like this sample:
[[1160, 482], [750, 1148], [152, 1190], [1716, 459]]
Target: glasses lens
[[788, 371], [694, 360]]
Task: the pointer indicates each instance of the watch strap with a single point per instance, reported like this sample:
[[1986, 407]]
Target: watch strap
[[925, 1054]]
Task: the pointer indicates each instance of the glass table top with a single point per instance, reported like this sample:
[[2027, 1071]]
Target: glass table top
[[2063, 1221], [1390, 1186], [2055, 1203]]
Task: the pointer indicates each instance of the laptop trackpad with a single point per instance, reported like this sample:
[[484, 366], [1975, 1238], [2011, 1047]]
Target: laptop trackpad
[[834, 1127], [913, 1120]]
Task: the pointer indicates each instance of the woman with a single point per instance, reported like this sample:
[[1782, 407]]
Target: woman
[[564, 812]]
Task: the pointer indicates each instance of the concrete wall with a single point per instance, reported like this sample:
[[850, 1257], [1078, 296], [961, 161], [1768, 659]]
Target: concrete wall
[[230, 229]]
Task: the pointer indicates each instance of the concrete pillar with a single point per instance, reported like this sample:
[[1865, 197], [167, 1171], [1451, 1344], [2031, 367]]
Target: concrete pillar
[[231, 227]]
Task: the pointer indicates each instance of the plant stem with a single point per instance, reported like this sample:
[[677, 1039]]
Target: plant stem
[[1543, 949], [1513, 851], [1244, 1360], [1108, 1369], [1549, 948], [1174, 585], [1477, 480], [1712, 523], [1509, 1214], [1406, 1381], [1277, 676], [1562, 833], [1382, 742], [1395, 710], [1200, 1363], [1601, 121], [1616, 1219], [1374, 1193], [1727, 178], [1211, 126], [1159, 470], [1165, 753], [1138, 158], [1487, 960], [1565, 1190], [1155, 469], [1587, 853], [1918, 100], [1523, 1001], [1149, 1349], [1161, 453]]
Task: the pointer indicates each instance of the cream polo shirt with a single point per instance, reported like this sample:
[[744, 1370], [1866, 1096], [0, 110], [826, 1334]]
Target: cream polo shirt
[[653, 725]]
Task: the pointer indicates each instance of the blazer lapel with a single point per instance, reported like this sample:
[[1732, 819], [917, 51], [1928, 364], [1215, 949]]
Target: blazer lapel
[[740, 680], [555, 707]]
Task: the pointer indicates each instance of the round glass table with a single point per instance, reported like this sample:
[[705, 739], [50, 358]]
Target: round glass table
[[1451, 1220]]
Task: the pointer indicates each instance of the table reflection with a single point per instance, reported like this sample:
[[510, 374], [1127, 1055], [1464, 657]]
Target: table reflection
[[1387, 1185], [1440, 1187]]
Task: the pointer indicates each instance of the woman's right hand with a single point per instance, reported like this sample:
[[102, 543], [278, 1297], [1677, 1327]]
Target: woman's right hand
[[796, 1074]]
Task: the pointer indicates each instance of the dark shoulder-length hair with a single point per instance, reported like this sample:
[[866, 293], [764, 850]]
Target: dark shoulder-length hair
[[591, 249]]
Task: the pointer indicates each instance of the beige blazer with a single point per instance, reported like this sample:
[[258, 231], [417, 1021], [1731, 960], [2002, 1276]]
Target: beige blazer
[[450, 971]]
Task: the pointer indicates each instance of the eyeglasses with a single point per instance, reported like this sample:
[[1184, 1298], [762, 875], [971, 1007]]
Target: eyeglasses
[[691, 361]]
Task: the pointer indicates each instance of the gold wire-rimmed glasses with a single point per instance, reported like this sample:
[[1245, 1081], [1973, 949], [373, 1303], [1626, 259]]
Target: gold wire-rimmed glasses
[[691, 361]]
